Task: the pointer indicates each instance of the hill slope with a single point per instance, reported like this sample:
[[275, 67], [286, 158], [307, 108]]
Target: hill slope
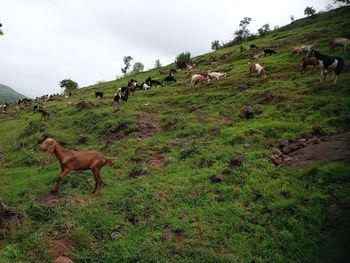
[[9, 95], [159, 203]]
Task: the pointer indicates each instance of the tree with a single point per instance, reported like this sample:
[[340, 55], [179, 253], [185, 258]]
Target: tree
[[292, 18], [215, 45], [68, 85], [126, 60], [157, 64], [309, 11], [263, 30], [182, 59], [137, 67], [346, 2], [1, 33], [243, 32]]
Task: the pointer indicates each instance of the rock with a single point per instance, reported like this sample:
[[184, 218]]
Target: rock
[[276, 160], [291, 147], [276, 151], [8, 215], [236, 160], [247, 113], [63, 259], [284, 143], [217, 178], [317, 130]]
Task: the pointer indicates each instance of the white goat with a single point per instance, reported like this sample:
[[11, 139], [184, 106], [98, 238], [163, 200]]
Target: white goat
[[216, 75]]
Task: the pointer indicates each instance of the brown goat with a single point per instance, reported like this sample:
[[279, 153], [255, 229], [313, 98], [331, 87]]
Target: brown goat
[[73, 161], [309, 61], [197, 79]]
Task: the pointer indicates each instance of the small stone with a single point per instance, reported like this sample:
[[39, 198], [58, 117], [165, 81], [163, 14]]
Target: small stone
[[276, 151]]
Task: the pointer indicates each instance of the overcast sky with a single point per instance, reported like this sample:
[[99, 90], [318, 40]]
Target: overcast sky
[[46, 41]]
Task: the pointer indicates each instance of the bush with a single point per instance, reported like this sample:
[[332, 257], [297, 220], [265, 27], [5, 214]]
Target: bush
[[183, 59]]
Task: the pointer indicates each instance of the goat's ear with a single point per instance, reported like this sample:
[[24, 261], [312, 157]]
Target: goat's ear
[[50, 149]]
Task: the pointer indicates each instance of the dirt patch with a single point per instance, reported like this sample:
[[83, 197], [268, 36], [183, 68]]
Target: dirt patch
[[117, 132], [49, 200], [8, 216], [318, 149], [168, 235], [60, 247], [234, 162], [146, 125], [271, 98]]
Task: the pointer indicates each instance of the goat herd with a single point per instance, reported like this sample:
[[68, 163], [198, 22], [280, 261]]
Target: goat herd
[[314, 58]]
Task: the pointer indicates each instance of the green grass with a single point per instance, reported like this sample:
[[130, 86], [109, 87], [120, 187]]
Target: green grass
[[259, 213]]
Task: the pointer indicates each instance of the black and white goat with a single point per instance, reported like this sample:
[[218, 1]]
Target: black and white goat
[[328, 63], [268, 51], [98, 94]]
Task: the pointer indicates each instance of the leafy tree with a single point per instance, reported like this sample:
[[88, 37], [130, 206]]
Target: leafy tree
[[346, 2], [127, 63], [182, 59], [243, 32], [263, 30], [292, 18], [137, 67], [215, 45], [1, 33], [68, 85], [157, 64], [309, 11]]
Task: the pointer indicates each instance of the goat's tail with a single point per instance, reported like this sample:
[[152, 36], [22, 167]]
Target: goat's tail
[[108, 161]]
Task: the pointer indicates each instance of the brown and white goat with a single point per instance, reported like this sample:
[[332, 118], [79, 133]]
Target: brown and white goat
[[74, 161], [197, 79], [257, 68]]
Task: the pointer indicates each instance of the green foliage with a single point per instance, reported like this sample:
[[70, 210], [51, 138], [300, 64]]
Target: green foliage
[[243, 32], [215, 45], [182, 59], [127, 63], [264, 30], [68, 85], [137, 67], [309, 11], [157, 64]]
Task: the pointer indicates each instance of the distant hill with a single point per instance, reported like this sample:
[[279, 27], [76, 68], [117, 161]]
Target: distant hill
[[9, 95]]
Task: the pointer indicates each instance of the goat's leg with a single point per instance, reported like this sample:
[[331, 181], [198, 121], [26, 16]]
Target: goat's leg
[[98, 181], [58, 182]]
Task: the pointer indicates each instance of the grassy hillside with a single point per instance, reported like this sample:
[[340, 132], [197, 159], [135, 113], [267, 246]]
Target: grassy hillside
[[9, 95], [158, 203]]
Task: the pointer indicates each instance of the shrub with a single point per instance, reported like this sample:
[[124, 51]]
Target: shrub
[[182, 59]]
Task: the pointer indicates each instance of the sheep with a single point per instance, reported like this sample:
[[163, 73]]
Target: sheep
[[258, 68], [74, 161], [309, 61], [340, 41], [216, 75], [197, 79]]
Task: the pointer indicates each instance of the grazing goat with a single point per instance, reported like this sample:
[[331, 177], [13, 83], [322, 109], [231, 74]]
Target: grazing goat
[[163, 72], [3, 108], [44, 113], [117, 98], [98, 94], [256, 57], [297, 50], [216, 75], [74, 161], [340, 41], [335, 64], [190, 68], [169, 79], [37, 107], [152, 82], [253, 46], [268, 51], [197, 79], [309, 61], [257, 68]]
